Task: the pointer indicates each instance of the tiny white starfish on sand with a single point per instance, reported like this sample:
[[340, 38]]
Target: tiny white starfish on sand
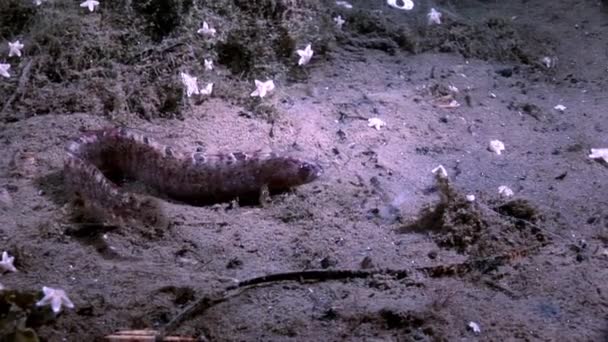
[[207, 90], [55, 297], [344, 4], [6, 263], [440, 171], [470, 198], [206, 30], [39, 2], [208, 64], [339, 21], [376, 123], [434, 17], [15, 48], [90, 4], [305, 55], [560, 108], [190, 83], [407, 4], [474, 327], [599, 153], [262, 88], [496, 146], [4, 70], [548, 62], [505, 191]]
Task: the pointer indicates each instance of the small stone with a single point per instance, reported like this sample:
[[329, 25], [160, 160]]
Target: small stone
[[505, 191], [376, 123], [367, 263], [496, 146], [328, 262]]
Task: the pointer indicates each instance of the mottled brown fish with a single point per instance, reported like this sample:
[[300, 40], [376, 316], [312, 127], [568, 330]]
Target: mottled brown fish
[[192, 177]]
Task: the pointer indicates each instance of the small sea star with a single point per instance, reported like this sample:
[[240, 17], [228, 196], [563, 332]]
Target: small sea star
[[90, 4], [208, 64], [434, 17], [15, 48], [190, 83], [206, 30], [339, 21], [7, 262], [305, 55], [55, 297], [560, 108], [262, 88]]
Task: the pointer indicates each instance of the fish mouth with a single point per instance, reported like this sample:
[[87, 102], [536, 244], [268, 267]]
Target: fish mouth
[[310, 171], [318, 172], [316, 168]]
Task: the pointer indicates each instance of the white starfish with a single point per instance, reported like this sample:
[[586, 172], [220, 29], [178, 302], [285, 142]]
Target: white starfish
[[262, 88], [339, 21], [560, 108], [208, 64], [206, 30], [599, 153], [190, 83], [434, 17], [39, 2], [407, 4], [7, 262], [4, 70], [207, 90], [55, 297], [305, 55], [376, 123], [474, 327], [90, 4], [15, 48]]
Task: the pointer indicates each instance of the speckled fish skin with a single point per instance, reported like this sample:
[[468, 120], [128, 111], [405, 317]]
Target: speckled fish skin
[[189, 177]]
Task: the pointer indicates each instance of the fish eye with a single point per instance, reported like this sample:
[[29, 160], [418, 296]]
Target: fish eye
[[308, 171]]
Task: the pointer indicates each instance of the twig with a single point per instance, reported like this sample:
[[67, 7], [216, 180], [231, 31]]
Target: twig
[[204, 303], [318, 275], [483, 265]]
